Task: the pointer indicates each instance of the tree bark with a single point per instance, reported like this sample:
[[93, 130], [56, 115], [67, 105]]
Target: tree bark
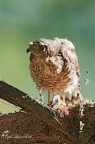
[[36, 123]]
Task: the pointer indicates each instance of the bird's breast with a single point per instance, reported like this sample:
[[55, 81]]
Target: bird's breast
[[50, 73]]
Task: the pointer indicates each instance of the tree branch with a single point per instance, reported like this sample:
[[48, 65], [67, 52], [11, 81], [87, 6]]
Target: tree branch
[[38, 124]]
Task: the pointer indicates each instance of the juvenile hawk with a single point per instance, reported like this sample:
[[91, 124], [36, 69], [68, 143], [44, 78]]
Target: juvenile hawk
[[54, 67]]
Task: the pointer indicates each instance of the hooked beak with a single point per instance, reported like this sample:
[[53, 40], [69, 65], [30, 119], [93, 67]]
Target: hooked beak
[[30, 44], [28, 50]]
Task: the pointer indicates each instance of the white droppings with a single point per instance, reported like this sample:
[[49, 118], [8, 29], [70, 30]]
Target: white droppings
[[90, 102], [81, 110], [23, 96], [40, 100], [81, 126]]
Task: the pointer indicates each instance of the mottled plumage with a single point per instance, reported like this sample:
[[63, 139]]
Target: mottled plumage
[[54, 66]]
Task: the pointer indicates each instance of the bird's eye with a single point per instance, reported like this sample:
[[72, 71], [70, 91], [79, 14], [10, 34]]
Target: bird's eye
[[36, 47]]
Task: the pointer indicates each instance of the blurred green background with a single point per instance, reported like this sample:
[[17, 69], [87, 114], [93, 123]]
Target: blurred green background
[[24, 21]]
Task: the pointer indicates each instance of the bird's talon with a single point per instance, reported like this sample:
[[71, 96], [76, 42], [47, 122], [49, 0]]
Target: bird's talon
[[49, 104], [63, 109]]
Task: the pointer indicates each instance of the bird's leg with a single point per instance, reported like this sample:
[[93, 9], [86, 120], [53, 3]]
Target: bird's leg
[[48, 97], [63, 97], [62, 108]]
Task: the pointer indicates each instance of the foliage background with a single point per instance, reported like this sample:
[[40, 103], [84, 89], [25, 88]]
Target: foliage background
[[24, 21]]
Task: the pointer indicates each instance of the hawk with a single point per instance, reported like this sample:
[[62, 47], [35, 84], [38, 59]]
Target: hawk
[[54, 67]]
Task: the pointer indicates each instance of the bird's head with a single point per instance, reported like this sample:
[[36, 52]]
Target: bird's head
[[51, 47], [36, 47]]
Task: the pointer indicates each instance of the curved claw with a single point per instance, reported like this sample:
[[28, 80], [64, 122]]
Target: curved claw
[[63, 109]]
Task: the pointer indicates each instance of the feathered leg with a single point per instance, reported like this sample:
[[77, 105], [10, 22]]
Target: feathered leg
[[63, 108], [63, 97]]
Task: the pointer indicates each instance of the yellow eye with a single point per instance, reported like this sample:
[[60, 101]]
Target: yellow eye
[[38, 48], [35, 47]]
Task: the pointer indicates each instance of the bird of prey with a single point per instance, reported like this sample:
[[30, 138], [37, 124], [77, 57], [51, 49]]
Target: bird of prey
[[54, 67]]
